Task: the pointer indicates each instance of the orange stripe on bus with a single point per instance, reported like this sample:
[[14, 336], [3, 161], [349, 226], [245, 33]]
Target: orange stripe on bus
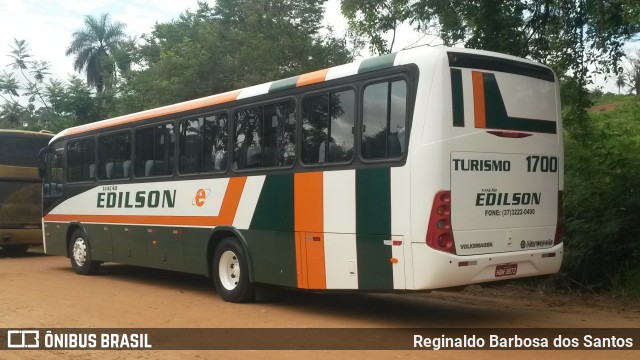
[[479, 110], [226, 216], [309, 227], [165, 110], [308, 202], [301, 261], [312, 77], [231, 200]]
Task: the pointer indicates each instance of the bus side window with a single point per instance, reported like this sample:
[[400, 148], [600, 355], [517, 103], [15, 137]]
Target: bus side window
[[265, 136], [216, 139], [113, 152], [203, 144], [155, 148], [191, 146], [81, 157], [384, 113], [327, 123]]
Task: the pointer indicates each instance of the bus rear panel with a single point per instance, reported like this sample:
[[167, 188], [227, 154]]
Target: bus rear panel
[[495, 204], [20, 189]]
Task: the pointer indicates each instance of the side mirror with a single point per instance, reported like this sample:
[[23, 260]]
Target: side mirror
[[42, 162]]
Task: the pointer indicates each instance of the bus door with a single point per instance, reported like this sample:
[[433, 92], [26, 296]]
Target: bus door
[[50, 169]]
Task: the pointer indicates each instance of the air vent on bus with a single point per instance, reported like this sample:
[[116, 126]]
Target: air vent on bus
[[439, 233]]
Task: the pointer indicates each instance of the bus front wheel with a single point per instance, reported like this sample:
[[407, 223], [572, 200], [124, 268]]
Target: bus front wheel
[[231, 272], [80, 255]]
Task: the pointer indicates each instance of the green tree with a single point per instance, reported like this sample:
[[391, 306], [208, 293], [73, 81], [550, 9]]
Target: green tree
[[94, 48], [25, 92], [372, 20], [32, 100], [230, 45], [32, 74]]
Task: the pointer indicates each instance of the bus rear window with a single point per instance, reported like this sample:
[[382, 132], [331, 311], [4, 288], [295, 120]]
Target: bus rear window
[[21, 151]]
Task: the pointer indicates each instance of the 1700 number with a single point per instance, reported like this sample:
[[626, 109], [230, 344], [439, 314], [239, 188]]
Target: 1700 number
[[542, 163]]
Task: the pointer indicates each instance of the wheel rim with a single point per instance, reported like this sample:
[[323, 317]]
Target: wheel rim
[[79, 251], [229, 270]]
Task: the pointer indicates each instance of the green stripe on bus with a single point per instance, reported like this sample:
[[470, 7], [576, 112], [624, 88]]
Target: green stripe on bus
[[271, 238], [497, 117], [284, 84], [457, 99], [273, 256], [377, 63], [195, 243], [373, 227], [56, 234], [274, 210]]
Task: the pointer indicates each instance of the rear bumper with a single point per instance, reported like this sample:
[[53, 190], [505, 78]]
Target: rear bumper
[[435, 269], [20, 237]]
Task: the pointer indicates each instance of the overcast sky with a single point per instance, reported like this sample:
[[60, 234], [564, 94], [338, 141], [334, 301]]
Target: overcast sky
[[47, 25]]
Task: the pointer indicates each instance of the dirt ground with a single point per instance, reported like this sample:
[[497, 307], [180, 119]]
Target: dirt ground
[[39, 291]]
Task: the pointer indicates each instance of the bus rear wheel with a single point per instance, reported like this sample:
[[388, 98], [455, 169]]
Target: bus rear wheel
[[80, 255], [231, 272]]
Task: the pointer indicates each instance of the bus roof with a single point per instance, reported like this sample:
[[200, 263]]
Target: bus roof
[[340, 71], [26, 132]]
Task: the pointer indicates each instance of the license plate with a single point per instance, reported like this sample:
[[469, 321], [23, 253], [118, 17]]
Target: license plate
[[506, 270]]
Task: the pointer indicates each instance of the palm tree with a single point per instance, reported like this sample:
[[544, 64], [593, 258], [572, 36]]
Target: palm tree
[[94, 46]]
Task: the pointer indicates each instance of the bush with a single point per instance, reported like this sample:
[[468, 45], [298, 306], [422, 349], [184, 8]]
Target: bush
[[602, 201]]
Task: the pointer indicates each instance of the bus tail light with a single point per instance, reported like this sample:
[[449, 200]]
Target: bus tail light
[[558, 238], [439, 233]]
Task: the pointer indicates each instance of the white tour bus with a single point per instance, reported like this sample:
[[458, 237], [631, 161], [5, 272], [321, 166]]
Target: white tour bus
[[423, 169]]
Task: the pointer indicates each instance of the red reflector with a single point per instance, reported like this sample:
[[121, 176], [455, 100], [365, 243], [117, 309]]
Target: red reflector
[[397, 242], [509, 134], [468, 263], [548, 255]]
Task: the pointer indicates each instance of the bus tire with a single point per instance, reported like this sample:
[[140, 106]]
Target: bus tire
[[80, 254], [231, 272]]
